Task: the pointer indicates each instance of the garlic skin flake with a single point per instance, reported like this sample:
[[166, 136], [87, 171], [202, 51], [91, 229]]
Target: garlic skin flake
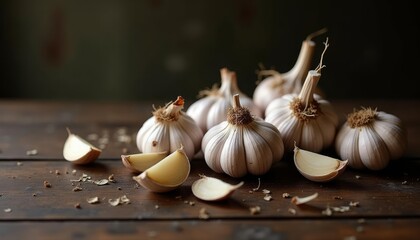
[[279, 84], [242, 144], [317, 167], [211, 109], [168, 129], [213, 189], [370, 139]]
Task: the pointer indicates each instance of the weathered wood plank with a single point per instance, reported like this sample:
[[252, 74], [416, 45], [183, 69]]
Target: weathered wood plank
[[393, 192], [219, 229]]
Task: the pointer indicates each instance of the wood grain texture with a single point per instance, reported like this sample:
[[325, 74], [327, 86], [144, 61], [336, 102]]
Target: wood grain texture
[[387, 200]]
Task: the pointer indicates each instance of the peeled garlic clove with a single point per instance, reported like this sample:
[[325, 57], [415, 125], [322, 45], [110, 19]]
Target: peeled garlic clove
[[139, 162], [166, 175], [79, 151], [213, 189], [317, 167]]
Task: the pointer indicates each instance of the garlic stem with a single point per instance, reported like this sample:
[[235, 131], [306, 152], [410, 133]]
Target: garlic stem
[[238, 115], [306, 95], [229, 83]]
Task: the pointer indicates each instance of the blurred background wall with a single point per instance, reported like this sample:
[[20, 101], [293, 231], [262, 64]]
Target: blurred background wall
[[158, 49]]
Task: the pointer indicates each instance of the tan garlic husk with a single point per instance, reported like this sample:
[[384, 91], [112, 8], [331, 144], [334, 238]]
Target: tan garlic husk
[[242, 144], [212, 108], [168, 129], [279, 84], [306, 120], [370, 139]]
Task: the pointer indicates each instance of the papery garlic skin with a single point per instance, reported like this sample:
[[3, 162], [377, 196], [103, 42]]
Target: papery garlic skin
[[169, 129], [370, 139], [306, 119], [242, 144], [211, 109]]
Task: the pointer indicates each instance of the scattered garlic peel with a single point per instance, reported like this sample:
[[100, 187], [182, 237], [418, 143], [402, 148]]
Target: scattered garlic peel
[[317, 167], [139, 162], [166, 175], [302, 200], [213, 189], [77, 150]]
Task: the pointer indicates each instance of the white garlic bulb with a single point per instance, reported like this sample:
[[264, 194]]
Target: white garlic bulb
[[306, 119], [169, 129], [242, 144], [278, 84], [211, 109], [370, 139]]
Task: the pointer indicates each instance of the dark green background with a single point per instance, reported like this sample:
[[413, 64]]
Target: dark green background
[[134, 50]]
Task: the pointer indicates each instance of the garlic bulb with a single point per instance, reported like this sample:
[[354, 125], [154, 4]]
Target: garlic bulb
[[242, 144], [168, 129], [306, 120], [211, 109], [370, 139], [278, 84]]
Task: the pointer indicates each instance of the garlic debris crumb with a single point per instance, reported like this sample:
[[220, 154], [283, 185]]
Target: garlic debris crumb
[[32, 152], [292, 211], [7, 210], [286, 195], [47, 184], [93, 200], [203, 214], [255, 210]]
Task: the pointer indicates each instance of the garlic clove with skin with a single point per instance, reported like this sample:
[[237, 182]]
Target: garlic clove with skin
[[78, 151], [213, 189], [139, 162], [166, 175], [371, 139], [317, 167]]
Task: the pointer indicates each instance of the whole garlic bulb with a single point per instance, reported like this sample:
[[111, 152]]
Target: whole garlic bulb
[[169, 129], [278, 84], [211, 109], [242, 144], [370, 139], [306, 120]]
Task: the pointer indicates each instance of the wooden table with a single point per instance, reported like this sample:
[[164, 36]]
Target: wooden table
[[388, 200]]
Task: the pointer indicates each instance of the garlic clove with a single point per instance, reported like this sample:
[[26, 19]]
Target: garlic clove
[[372, 149], [166, 175], [213, 189], [139, 162], [317, 167], [77, 150], [347, 145]]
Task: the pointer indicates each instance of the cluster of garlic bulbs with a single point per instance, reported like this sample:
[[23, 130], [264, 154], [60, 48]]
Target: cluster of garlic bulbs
[[242, 144], [279, 84], [370, 139], [212, 109], [169, 129]]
